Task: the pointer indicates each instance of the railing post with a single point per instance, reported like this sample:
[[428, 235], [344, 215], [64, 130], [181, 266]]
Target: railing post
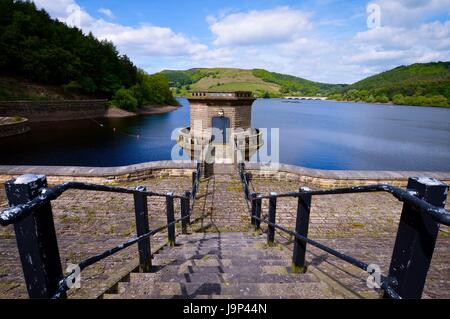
[[256, 210], [142, 227], [301, 228], [247, 148], [258, 202], [185, 204], [194, 184], [199, 170], [272, 218], [247, 178], [170, 219], [242, 171], [36, 238], [253, 202], [416, 239]]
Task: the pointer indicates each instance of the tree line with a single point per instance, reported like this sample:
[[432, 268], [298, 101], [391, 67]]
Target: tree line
[[47, 51], [422, 84]]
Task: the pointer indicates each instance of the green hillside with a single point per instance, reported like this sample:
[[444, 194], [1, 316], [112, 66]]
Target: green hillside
[[290, 84], [418, 84], [260, 82], [425, 84]]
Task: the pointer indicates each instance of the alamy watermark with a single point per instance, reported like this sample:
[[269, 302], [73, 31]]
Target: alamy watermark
[[213, 145], [74, 279], [74, 16], [373, 11], [374, 279]]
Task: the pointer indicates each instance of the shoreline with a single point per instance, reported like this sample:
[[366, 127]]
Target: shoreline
[[115, 112], [388, 104], [72, 110], [362, 102]]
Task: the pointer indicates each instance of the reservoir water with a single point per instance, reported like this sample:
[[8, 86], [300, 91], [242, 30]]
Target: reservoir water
[[315, 134]]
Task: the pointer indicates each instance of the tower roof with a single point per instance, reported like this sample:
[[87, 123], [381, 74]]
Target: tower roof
[[208, 95]]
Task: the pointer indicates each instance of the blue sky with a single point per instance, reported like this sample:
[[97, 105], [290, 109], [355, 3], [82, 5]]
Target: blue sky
[[325, 40]]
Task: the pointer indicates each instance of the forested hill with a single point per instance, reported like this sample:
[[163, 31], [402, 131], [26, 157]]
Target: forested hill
[[416, 84], [261, 82], [425, 84], [44, 51]]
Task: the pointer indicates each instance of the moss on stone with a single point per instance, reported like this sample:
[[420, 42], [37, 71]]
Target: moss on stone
[[298, 269]]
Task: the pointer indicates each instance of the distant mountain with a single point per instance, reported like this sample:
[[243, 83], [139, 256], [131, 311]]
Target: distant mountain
[[259, 81], [426, 84]]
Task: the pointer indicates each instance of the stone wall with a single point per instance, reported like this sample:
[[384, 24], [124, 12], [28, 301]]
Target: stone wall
[[302, 175], [11, 129], [101, 175], [36, 111], [339, 178]]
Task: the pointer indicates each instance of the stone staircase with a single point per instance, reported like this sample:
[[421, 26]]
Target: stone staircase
[[221, 266]]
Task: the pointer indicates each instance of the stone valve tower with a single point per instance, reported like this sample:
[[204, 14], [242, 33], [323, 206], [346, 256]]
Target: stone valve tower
[[220, 128]]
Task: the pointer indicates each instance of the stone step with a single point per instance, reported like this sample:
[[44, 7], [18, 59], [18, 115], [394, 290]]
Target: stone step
[[214, 250], [221, 243], [227, 237], [240, 290], [143, 297], [209, 254], [267, 278], [225, 169], [247, 297], [215, 261], [196, 237], [221, 266], [190, 268], [220, 277]]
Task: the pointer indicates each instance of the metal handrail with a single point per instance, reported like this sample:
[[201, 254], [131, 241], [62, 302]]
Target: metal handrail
[[14, 214], [17, 213], [63, 287], [440, 215]]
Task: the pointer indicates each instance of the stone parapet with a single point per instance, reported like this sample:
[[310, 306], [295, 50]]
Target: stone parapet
[[339, 178], [143, 171], [121, 174], [55, 110]]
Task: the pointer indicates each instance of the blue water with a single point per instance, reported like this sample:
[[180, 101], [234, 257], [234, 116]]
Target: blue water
[[316, 134], [342, 135]]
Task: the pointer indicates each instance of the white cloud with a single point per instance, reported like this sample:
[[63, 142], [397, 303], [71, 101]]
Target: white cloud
[[389, 37], [106, 12], [147, 39], [375, 55], [400, 45], [56, 8], [259, 27], [138, 42], [305, 46], [406, 13], [281, 39]]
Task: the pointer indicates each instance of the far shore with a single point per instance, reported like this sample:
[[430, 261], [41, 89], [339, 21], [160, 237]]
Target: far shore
[[114, 112], [387, 103]]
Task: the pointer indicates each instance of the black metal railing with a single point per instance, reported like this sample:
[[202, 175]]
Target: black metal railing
[[423, 212], [31, 214]]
